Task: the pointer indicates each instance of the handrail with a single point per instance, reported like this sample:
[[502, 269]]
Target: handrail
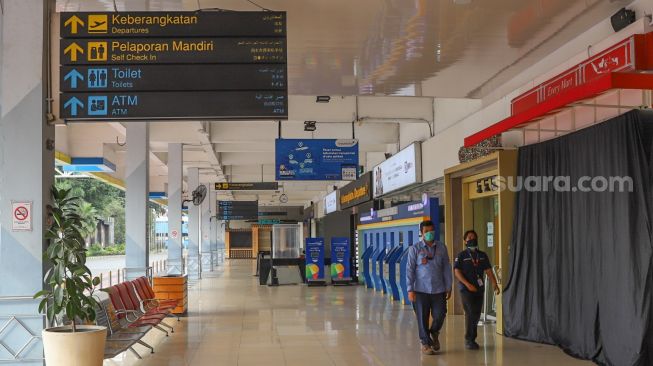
[[16, 298], [107, 278]]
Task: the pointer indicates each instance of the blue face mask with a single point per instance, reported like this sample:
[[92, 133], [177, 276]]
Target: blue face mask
[[429, 236]]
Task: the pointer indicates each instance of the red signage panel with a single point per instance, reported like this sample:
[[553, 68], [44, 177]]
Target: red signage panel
[[620, 57]]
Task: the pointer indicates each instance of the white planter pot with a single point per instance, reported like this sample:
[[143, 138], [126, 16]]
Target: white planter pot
[[82, 348]]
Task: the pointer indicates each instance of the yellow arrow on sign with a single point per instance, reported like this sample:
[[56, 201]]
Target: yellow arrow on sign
[[73, 22], [73, 49]]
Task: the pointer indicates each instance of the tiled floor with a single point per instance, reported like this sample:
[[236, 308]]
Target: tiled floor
[[233, 321]]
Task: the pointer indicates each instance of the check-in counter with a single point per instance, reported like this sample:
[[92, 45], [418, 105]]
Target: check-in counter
[[391, 272], [374, 264], [379, 285], [367, 266], [395, 228], [401, 276]]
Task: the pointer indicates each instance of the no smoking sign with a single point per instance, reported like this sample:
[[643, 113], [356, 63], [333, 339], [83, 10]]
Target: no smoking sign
[[21, 216]]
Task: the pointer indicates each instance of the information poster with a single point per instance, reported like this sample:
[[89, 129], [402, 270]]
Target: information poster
[[399, 171], [340, 259], [316, 159], [315, 259]]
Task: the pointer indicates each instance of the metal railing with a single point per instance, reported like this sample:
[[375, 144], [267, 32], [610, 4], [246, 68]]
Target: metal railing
[[235, 253], [108, 279]]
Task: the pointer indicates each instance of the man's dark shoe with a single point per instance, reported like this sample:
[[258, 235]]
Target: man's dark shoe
[[472, 345], [427, 350], [436, 341]]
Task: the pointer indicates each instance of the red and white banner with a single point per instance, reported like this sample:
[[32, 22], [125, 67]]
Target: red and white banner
[[626, 65], [620, 57]]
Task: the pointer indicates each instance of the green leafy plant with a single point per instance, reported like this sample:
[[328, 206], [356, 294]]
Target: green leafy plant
[[96, 250], [88, 218], [69, 283]]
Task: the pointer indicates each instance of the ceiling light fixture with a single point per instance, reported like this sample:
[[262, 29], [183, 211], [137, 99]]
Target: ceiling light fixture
[[323, 99]]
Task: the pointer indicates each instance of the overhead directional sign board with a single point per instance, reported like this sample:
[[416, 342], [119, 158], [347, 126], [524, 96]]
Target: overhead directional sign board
[[201, 65], [165, 105], [172, 51], [172, 24], [253, 186], [156, 78], [237, 210]]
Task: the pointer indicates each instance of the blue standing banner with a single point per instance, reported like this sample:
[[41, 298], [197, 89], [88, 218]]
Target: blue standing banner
[[340, 260], [315, 261]]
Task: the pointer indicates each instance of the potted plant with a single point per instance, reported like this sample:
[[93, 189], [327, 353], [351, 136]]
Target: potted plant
[[68, 297]]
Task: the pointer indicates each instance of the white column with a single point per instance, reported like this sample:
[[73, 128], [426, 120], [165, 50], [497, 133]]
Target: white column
[[26, 172], [214, 227], [205, 247], [175, 187], [194, 268], [136, 199], [222, 246]]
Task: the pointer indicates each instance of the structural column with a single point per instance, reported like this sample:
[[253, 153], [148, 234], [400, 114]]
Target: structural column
[[136, 199], [175, 188], [213, 236], [26, 175], [194, 268], [222, 252], [205, 246]]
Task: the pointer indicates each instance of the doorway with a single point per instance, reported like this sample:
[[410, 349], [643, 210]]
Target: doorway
[[474, 200], [485, 223]]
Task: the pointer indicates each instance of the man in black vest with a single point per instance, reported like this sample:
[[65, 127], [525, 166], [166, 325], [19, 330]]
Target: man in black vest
[[469, 267]]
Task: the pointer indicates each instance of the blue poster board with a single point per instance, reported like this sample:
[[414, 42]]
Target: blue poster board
[[315, 259], [340, 259], [316, 159]]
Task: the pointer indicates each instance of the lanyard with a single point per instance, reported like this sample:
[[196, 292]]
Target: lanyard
[[476, 261], [427, 251]]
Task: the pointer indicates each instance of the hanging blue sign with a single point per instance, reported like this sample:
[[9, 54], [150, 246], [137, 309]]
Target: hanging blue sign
[[340, 259], [316, 159], [315, 259]]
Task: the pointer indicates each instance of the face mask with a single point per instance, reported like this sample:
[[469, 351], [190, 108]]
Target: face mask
[[472, 244], [429, 236]]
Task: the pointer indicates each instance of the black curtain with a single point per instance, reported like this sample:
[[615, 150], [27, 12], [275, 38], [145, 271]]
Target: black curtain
[[580, 262]]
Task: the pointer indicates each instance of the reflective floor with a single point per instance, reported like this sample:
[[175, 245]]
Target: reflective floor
[[233, 321]]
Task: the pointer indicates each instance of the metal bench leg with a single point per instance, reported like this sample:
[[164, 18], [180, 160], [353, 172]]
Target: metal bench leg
[[136, 353], [161, 329], [145, 345], [172, 330]]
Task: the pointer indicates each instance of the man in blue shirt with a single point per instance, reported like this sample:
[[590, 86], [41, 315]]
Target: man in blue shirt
[[471, 264], [428, 279]]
